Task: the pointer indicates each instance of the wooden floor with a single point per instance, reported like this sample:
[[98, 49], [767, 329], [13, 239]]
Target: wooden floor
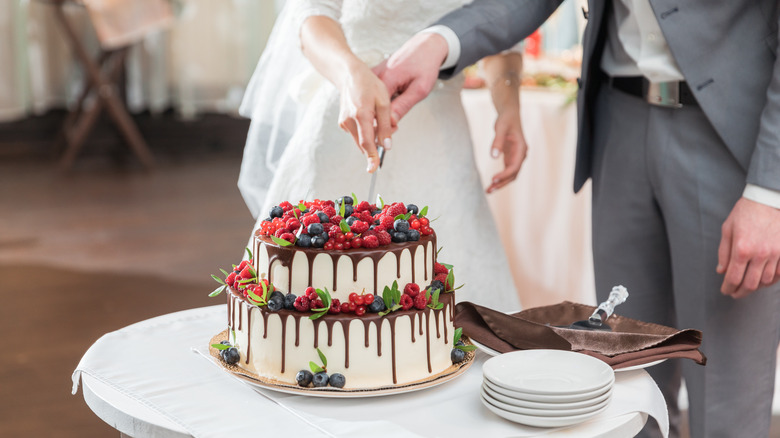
[[104, 246]]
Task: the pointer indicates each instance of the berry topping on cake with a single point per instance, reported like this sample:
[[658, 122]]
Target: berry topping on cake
[[304, 378], [337, 380], [412, 289], [320, 379]]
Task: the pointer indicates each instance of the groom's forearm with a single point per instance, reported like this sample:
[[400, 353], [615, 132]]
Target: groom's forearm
[[488, 27]]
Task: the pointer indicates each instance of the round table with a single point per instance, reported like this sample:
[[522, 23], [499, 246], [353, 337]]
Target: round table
[[112, 388]]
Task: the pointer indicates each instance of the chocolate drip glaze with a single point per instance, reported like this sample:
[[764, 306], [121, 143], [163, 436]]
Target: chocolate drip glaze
[[240, 318], [425, 261], [236, 298], [249, 330], [285, 256]]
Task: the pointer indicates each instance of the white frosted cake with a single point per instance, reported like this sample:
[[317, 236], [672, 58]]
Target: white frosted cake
[[355, 287]]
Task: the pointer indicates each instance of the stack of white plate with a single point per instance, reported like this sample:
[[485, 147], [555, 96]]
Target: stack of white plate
[[546, 388]]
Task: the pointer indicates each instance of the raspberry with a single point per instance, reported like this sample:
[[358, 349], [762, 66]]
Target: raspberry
[[384, 238], [420, 301], [311, 293], [290, 237], [247, 272], [412, 290], [292, 224], [386, 222], [370, 241], [438, 268], [406, 302], [231, 279], [359, 227], [363, 206], [278, 233], [330, 211], [364, 216], [396, 209], [335, 306], [316, 304], [335, 220], [302, 304], [286, 206], [242, 265]]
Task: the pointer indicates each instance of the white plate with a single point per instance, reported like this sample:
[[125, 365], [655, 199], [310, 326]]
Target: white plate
[[486, 349], [531, 420], [511, 407], [548, 372], [552, 398], [501, 394]]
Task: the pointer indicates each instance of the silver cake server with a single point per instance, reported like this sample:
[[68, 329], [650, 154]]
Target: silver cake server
[[372, 187], [617, 296]]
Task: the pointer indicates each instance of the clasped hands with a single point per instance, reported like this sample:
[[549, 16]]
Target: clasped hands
[[370, 116]]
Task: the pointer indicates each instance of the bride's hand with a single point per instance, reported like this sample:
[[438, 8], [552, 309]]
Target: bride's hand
[[365, 112], [509, 142]]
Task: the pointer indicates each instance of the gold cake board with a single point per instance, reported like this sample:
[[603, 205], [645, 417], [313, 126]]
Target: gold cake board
[[446, 375]]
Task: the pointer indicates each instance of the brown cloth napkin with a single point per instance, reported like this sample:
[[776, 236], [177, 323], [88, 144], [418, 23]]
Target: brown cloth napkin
[[630, 342]]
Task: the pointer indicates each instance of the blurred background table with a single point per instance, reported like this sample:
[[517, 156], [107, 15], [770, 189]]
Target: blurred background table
[[544, 226]]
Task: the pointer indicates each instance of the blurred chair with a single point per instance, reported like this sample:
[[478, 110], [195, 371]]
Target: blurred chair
[[119, 24]]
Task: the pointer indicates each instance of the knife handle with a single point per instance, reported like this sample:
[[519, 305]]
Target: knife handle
[[605, 309], [381, 151]]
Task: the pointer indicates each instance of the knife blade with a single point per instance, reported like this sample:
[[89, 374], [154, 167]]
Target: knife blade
[[372, 187]]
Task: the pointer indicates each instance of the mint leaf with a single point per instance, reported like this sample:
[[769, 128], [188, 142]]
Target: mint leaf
[[424, 211], [400, 216], [342, 208], [323, 358], [217, 279], [248, 253], [439, 250], [217, 291], [319, 313], [450, 280], [280, 242], [325, 297], [302, 207], [247, 280], [446, 266], [456, 336], [381, 202], [220, 346], [344, 227], [224, 272], [466, 347], [354, 199], [315, 368]]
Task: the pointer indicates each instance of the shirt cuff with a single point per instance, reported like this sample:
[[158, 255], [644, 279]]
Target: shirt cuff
[[761, 195], [453, 44]]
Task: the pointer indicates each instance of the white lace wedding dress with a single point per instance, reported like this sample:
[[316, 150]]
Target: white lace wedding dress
[[431, 162]]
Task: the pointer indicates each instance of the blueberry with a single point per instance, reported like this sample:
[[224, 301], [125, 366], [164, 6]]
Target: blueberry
[[320, 379], [348, 210], [323, 217], [412, 235], [276, 212], [226, 342], [277, 294], [372, 227], [231, 355], [347, 199], [457, 355], [303, 378], [459, 344], [268, 219], [434, 286], [275, 304], [315, 229], [411, 208], [337, 380], [289, 301], [306, 210], [377, 306], [351, 220], [317, 242], [325, 236], [401, 225], [398, 237], [304, 240]]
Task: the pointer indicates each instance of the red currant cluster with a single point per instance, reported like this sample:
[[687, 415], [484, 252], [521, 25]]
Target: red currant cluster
[[341, 225]]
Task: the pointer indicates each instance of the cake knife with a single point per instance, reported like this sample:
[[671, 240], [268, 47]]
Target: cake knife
[[617, 296], [381, 151]]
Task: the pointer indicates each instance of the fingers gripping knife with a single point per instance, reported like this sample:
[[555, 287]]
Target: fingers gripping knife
[[371, 188], [603, 311]]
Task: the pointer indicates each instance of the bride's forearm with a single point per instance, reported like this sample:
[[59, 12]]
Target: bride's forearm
[[324, 45], [502, 75]]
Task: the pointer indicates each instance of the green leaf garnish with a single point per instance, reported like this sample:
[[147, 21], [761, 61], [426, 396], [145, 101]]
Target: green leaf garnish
[[446, 266], [315, 368], [423, 212], [344, 227], [302, 207], [224, 272], [342, 208], [220, 346], [247, 280], [392, 298], [381, 202], [450, 279], [217, 291], [354, 199], [248, 253], [400, 216], [323, 358], [280, 242], [439, 250], [457, 335], [434, 304], [218, 279]]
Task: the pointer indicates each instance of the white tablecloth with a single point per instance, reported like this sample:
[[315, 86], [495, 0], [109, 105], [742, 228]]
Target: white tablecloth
[[155, 363], [544, 226]]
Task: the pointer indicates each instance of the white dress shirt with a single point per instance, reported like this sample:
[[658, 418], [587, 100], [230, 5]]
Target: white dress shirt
[[635, 46]]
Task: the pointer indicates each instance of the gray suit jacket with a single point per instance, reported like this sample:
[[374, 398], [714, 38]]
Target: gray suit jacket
[[727, 51]]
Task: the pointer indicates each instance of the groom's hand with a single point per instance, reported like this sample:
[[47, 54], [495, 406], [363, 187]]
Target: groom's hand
[[411, 72]]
